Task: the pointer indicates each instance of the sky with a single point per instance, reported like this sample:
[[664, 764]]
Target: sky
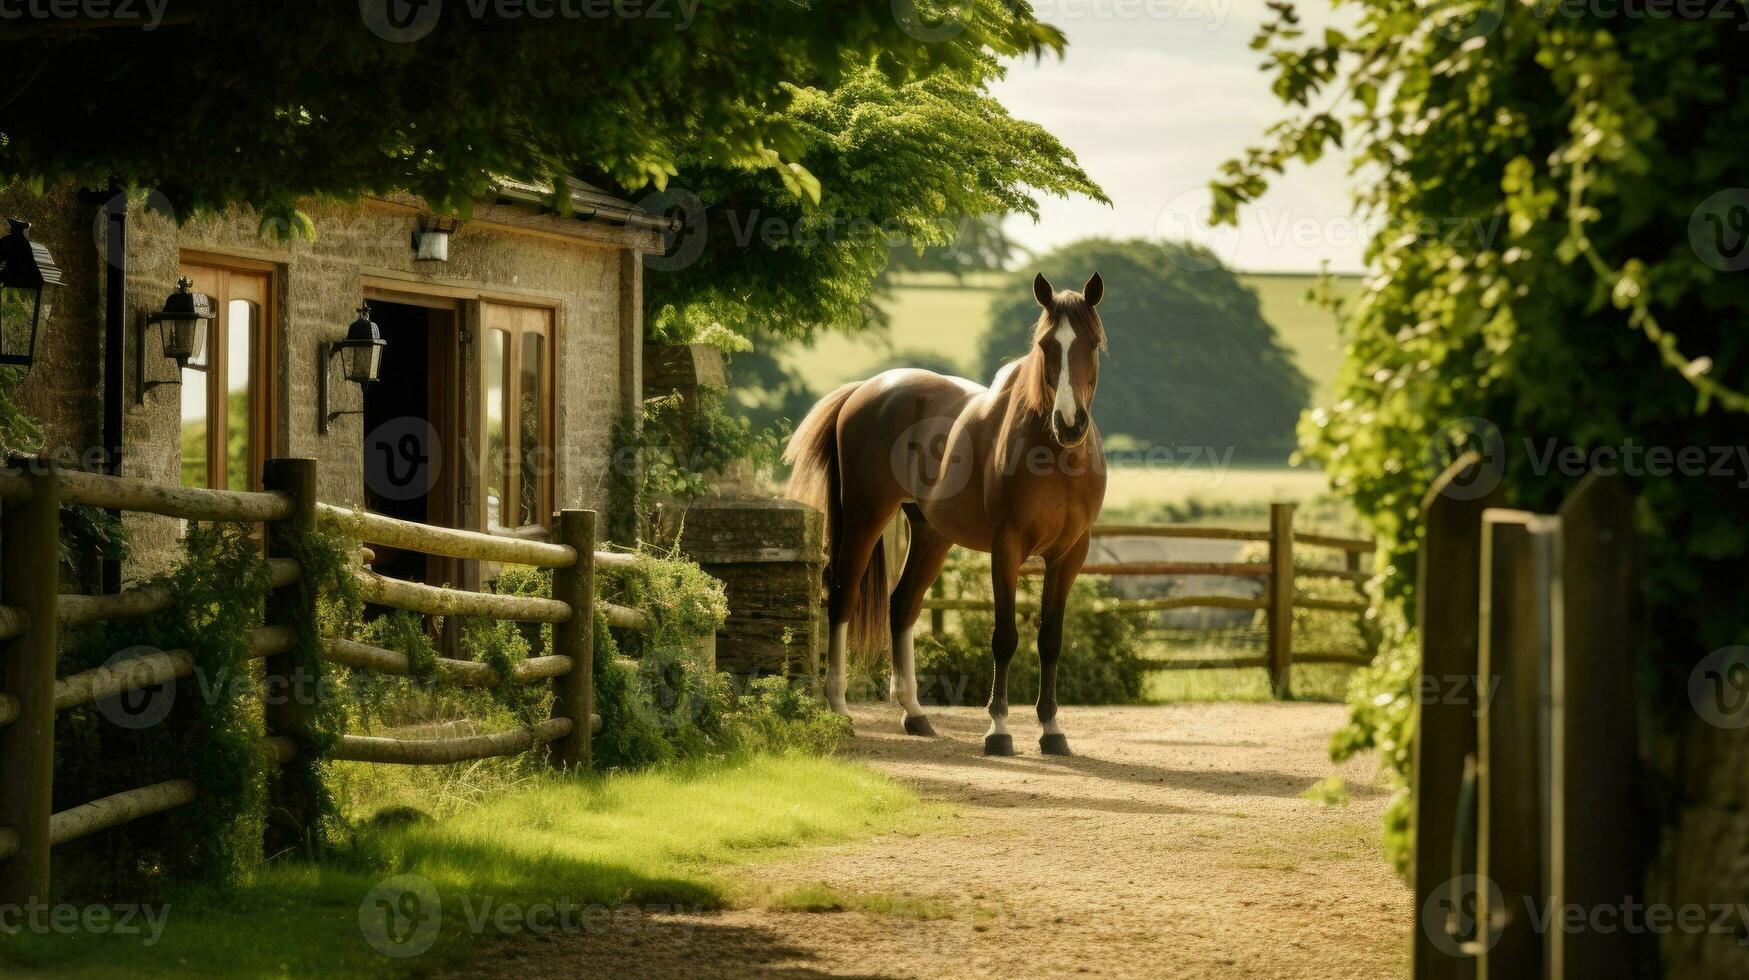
[[1152, 97]]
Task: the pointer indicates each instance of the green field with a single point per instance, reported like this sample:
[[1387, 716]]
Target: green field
[[929, 312]]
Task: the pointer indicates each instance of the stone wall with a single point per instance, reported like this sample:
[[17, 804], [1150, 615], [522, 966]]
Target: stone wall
[[588, 272]]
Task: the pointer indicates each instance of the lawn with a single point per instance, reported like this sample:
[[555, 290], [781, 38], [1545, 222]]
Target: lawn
[[403, 900]]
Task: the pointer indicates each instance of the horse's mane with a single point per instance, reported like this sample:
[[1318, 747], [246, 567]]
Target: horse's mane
[[1028, 377]]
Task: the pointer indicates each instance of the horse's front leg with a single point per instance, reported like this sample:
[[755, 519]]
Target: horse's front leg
[[1059, 579], [1005, 559]]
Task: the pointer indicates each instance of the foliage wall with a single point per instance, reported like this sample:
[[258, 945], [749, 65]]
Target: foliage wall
[[1558, 266]]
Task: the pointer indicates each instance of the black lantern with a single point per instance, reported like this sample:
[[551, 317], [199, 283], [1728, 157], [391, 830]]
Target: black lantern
[[28, 281], [361, 358], [182, 333]]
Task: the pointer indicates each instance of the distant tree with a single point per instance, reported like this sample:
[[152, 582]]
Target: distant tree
[[1192, 361]]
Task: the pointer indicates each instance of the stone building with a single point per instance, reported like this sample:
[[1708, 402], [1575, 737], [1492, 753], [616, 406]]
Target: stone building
[[513, 346]]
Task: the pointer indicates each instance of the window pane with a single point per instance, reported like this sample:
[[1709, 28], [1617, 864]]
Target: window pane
[[534, 462], [239, 357], [194, 469], [497, 390]]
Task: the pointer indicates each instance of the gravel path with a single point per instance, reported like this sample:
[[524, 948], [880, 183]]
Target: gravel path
[[1175, 844]]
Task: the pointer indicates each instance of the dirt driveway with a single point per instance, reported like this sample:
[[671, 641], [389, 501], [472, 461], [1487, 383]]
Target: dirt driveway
[[1175, 844]]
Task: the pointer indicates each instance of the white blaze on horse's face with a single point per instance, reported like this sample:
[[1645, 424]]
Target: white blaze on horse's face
[[1068, 421]]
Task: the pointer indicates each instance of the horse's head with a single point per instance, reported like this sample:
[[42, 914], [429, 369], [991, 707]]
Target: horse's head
[[1068, 338]]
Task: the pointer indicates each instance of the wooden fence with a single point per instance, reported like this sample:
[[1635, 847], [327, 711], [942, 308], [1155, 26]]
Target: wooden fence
[[1278, 601], [1527, 778], [33, 611]]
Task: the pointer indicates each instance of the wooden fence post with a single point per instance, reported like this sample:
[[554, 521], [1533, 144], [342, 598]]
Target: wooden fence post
[[291, 814], [30, 562], [574, 692], [1511, 669], [1599, 845], [1281, 598], [1448, 602]]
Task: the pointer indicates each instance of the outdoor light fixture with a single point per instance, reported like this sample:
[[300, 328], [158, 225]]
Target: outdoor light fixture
[[28, 281], [431, 238], [361, 357], [182, 330]]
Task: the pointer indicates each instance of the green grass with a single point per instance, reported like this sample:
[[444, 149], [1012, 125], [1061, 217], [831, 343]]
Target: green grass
[[659, 839], [1306, 330], [1131, 487]]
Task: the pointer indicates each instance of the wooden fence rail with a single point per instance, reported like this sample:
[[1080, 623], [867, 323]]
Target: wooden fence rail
[[1278, 574], [33, 612]]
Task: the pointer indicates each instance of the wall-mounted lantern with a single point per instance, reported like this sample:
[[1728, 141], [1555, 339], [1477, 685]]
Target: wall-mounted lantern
[[29, 279], [431, 238], [182, 332], [361, 358]]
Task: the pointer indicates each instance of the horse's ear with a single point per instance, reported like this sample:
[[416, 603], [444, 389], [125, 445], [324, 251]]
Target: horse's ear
[[1042, 291], [1094, 291]]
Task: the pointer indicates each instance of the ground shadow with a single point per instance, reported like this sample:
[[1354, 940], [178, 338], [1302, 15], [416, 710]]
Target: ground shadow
[[960, 744], [635, 944]]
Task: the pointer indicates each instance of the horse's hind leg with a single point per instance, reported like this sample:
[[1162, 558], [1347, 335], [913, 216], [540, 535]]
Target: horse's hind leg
[[856, 546], [928, 551]]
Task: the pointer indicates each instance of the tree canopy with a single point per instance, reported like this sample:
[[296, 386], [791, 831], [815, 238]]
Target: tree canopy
[[1192, 362], [820, 119]]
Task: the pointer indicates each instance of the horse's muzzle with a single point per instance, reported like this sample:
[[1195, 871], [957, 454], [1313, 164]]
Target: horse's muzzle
[[1069, 434]]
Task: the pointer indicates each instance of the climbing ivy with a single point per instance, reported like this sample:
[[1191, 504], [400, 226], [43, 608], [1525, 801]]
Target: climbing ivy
[[1561, 210]]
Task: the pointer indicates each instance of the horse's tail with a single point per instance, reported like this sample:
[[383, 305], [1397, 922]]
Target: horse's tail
[[812, 455]]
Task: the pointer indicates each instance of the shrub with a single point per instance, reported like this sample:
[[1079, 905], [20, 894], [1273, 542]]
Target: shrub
[[1101, 661]]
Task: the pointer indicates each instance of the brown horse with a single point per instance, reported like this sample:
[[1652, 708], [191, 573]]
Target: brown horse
[[1015, 470]]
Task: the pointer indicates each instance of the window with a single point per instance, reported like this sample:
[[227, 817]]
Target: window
[[225, 405], [517, 387]]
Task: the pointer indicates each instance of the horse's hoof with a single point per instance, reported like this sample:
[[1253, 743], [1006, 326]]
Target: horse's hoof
[[1054, 743], [998, 744], [919, 725]]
